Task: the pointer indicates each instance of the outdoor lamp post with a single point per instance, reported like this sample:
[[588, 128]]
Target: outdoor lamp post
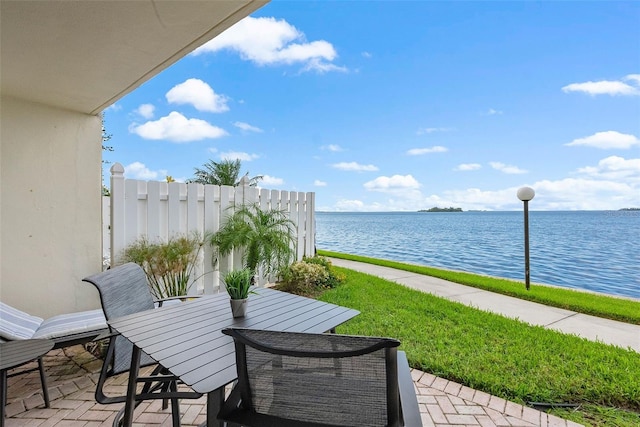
[[525, 194]]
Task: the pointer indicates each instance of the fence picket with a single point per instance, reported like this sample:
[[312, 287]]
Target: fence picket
[[131, 230], [174, 208], [310, 225], [226, 202], [116, 216], [153, 231], [301, 225], [211, 222]]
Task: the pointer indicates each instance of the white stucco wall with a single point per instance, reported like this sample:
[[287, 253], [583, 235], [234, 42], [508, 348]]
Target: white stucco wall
[[50, 207]]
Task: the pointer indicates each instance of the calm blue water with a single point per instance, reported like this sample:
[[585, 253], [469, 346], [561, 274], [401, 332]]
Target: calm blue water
[[592, 250]]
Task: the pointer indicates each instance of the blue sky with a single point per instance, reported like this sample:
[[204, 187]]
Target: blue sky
[[401, 106]]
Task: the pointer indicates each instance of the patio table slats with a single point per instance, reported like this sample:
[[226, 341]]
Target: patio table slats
[[187, 339]]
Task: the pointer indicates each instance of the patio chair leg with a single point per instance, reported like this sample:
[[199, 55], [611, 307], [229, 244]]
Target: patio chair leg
[[175, 412], [43, 381], [175, 405], [3, 395], [165, 387], [131, 387]]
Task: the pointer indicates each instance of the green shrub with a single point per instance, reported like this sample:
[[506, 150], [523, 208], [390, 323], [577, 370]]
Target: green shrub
[[318, 260], [309, 276]]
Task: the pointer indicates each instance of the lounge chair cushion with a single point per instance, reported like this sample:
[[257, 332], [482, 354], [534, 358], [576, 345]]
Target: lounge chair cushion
[[18, 325], [74, 323]]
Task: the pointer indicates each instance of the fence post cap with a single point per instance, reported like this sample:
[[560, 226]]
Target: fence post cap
[[117, 169]]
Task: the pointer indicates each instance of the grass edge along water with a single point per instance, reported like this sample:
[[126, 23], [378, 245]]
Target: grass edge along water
[[599, 305]]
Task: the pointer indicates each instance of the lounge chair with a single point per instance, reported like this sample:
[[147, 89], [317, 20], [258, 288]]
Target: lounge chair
[[288, 379], [64, 330], [123, 291]]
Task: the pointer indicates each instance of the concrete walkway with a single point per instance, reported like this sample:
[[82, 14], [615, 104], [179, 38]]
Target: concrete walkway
[[620, 334]]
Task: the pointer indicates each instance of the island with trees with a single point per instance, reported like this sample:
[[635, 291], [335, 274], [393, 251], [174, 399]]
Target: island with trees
[[436, 209]]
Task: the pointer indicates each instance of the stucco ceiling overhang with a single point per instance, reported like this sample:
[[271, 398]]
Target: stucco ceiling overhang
[[85, 55]]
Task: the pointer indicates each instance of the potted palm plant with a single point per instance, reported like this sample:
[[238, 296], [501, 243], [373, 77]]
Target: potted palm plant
[[238, 286]]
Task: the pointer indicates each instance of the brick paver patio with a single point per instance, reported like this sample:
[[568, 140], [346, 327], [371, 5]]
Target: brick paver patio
[[72, 374]]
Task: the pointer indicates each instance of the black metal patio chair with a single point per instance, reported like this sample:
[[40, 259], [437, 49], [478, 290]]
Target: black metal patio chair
[[288, 379], [123, 291]]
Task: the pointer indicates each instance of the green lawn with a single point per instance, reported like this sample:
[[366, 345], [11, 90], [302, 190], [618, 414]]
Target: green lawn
[[500, 356], [599, 305]]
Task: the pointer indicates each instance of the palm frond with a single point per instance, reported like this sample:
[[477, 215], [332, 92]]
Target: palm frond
[[266, 236]]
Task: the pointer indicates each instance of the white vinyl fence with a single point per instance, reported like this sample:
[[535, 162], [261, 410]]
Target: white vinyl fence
[[159, 210]]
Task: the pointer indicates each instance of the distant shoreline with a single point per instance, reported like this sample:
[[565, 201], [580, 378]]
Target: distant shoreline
[[441, 210]]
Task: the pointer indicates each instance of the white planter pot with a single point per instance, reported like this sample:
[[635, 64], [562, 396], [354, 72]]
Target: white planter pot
[[238, 307]]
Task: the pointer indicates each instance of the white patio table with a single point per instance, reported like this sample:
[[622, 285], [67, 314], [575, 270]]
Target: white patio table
[[187, 340]]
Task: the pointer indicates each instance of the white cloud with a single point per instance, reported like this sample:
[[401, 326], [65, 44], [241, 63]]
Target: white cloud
[[508, 169], [332, 147], [268, 180], [605, 140], [177, 128], [423, 131], [353, 205], [476, 199], [137, 170], [608, 87], [349, 205], [199, 94], [366, 54], [467, 167], [322, 67], [584, 194], [614, 168], [114, 107], [421, 151], [246, 127], [565, 194], [319, 183], [233, 155], [353, 166], [268, 41], [394, 183], [612, 184], [493, 112], [146, 110]]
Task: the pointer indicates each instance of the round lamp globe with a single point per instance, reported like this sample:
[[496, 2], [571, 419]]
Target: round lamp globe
[[526, 193]]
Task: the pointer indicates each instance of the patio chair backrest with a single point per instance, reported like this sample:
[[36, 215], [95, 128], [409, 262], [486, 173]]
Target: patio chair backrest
[[317, 378], [123, 290]]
